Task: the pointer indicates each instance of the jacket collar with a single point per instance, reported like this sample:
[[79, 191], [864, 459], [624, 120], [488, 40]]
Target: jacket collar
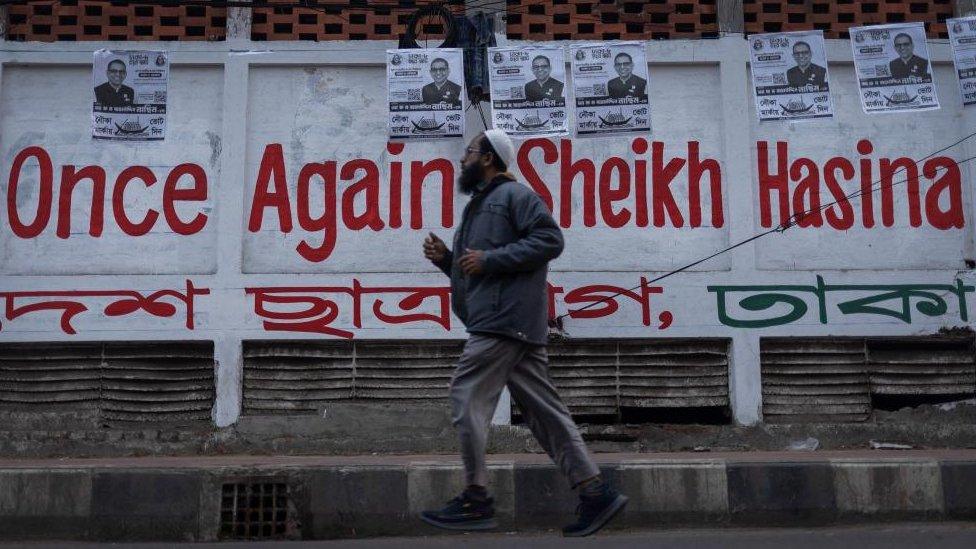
[[486, 186]]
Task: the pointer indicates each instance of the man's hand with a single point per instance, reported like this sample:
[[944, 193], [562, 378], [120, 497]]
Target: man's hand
[[434, 248], [472, 262]]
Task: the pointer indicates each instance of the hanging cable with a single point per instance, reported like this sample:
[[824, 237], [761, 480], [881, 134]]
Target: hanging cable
[[482, 113], [418, 19]]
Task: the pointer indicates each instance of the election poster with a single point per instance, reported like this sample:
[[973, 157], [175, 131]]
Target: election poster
[[425, 90], [129, 95], [789, 76], [610, 84], [962, 36], [528, 91], [893, 69]]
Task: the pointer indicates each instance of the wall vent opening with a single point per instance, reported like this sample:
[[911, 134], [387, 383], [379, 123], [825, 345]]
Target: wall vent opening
[[145, 382], [841, 379], [642, 381], [302, 377], [601, 381]]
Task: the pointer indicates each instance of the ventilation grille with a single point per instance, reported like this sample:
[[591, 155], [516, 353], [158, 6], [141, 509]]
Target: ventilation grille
[[137, 382], [810, 379], [820, 379], [256, 510], [71, 20], [921, 366], [598, 379], [360, 20], [835, 18], [611, 19], [303, 377]]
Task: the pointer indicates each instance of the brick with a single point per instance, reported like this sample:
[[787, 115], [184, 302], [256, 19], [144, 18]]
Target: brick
[[47, 27], [862, 13]]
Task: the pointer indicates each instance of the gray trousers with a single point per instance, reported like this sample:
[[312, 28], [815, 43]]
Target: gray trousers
[[487, 365]]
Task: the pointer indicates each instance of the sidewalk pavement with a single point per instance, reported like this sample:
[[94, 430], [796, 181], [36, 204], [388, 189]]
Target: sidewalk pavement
[[320, 497]]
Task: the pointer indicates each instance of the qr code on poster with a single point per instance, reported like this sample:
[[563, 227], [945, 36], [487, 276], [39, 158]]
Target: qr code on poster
[[413, 94], [518, 92], [159, 96], [881, 71], [599, 90]]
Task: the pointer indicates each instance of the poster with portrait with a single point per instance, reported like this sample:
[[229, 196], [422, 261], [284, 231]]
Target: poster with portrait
[[129, 95], [962, 36], [893, 69], [425, 90], [528, 91], [610, 83], [789, 76]]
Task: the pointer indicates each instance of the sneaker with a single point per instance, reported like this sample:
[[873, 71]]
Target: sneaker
[[594, 512], [463, 513]]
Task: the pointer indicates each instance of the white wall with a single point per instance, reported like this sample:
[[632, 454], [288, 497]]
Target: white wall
[[325, 102]]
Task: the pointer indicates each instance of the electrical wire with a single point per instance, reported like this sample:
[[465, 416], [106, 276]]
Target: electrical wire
[[557, 323], [482, 112]]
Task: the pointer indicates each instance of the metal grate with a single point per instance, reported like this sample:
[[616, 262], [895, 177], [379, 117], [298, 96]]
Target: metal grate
[[602, 378], [611, 19], [303, 377], [835, 379], [835, 18], [132, 382], [78, 20], [256, 510]]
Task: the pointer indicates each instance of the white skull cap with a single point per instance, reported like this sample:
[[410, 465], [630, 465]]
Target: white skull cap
[[502, 143]]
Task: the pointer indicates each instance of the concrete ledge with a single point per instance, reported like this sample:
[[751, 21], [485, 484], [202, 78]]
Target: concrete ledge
[[177, 499]]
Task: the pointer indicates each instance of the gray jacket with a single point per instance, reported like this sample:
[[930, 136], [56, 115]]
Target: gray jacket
[[513, 226]]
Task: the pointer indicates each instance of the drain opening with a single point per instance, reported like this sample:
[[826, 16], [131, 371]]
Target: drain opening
[[257, 510]]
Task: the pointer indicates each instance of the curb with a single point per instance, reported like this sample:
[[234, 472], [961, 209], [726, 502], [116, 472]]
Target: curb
[[234, 497]]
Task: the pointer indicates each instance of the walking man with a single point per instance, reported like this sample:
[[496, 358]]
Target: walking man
[[498, 271]]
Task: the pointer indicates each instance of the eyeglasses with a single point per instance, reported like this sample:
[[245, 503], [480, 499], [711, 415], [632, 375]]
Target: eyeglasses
[[902, 44], [625, 64], [117, 71], [469, 150], [539, 67], [439, 69], [801, 52]]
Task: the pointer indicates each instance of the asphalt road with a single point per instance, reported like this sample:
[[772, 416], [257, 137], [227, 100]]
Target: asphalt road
[[893, 536]]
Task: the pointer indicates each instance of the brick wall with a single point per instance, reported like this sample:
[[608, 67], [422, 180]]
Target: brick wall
[[70, 20], [383, 20], [527, 19], [835, 17], [611, 19]]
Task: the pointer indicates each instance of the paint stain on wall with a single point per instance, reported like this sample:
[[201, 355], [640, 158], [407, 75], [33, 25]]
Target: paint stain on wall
[[216, 147]]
